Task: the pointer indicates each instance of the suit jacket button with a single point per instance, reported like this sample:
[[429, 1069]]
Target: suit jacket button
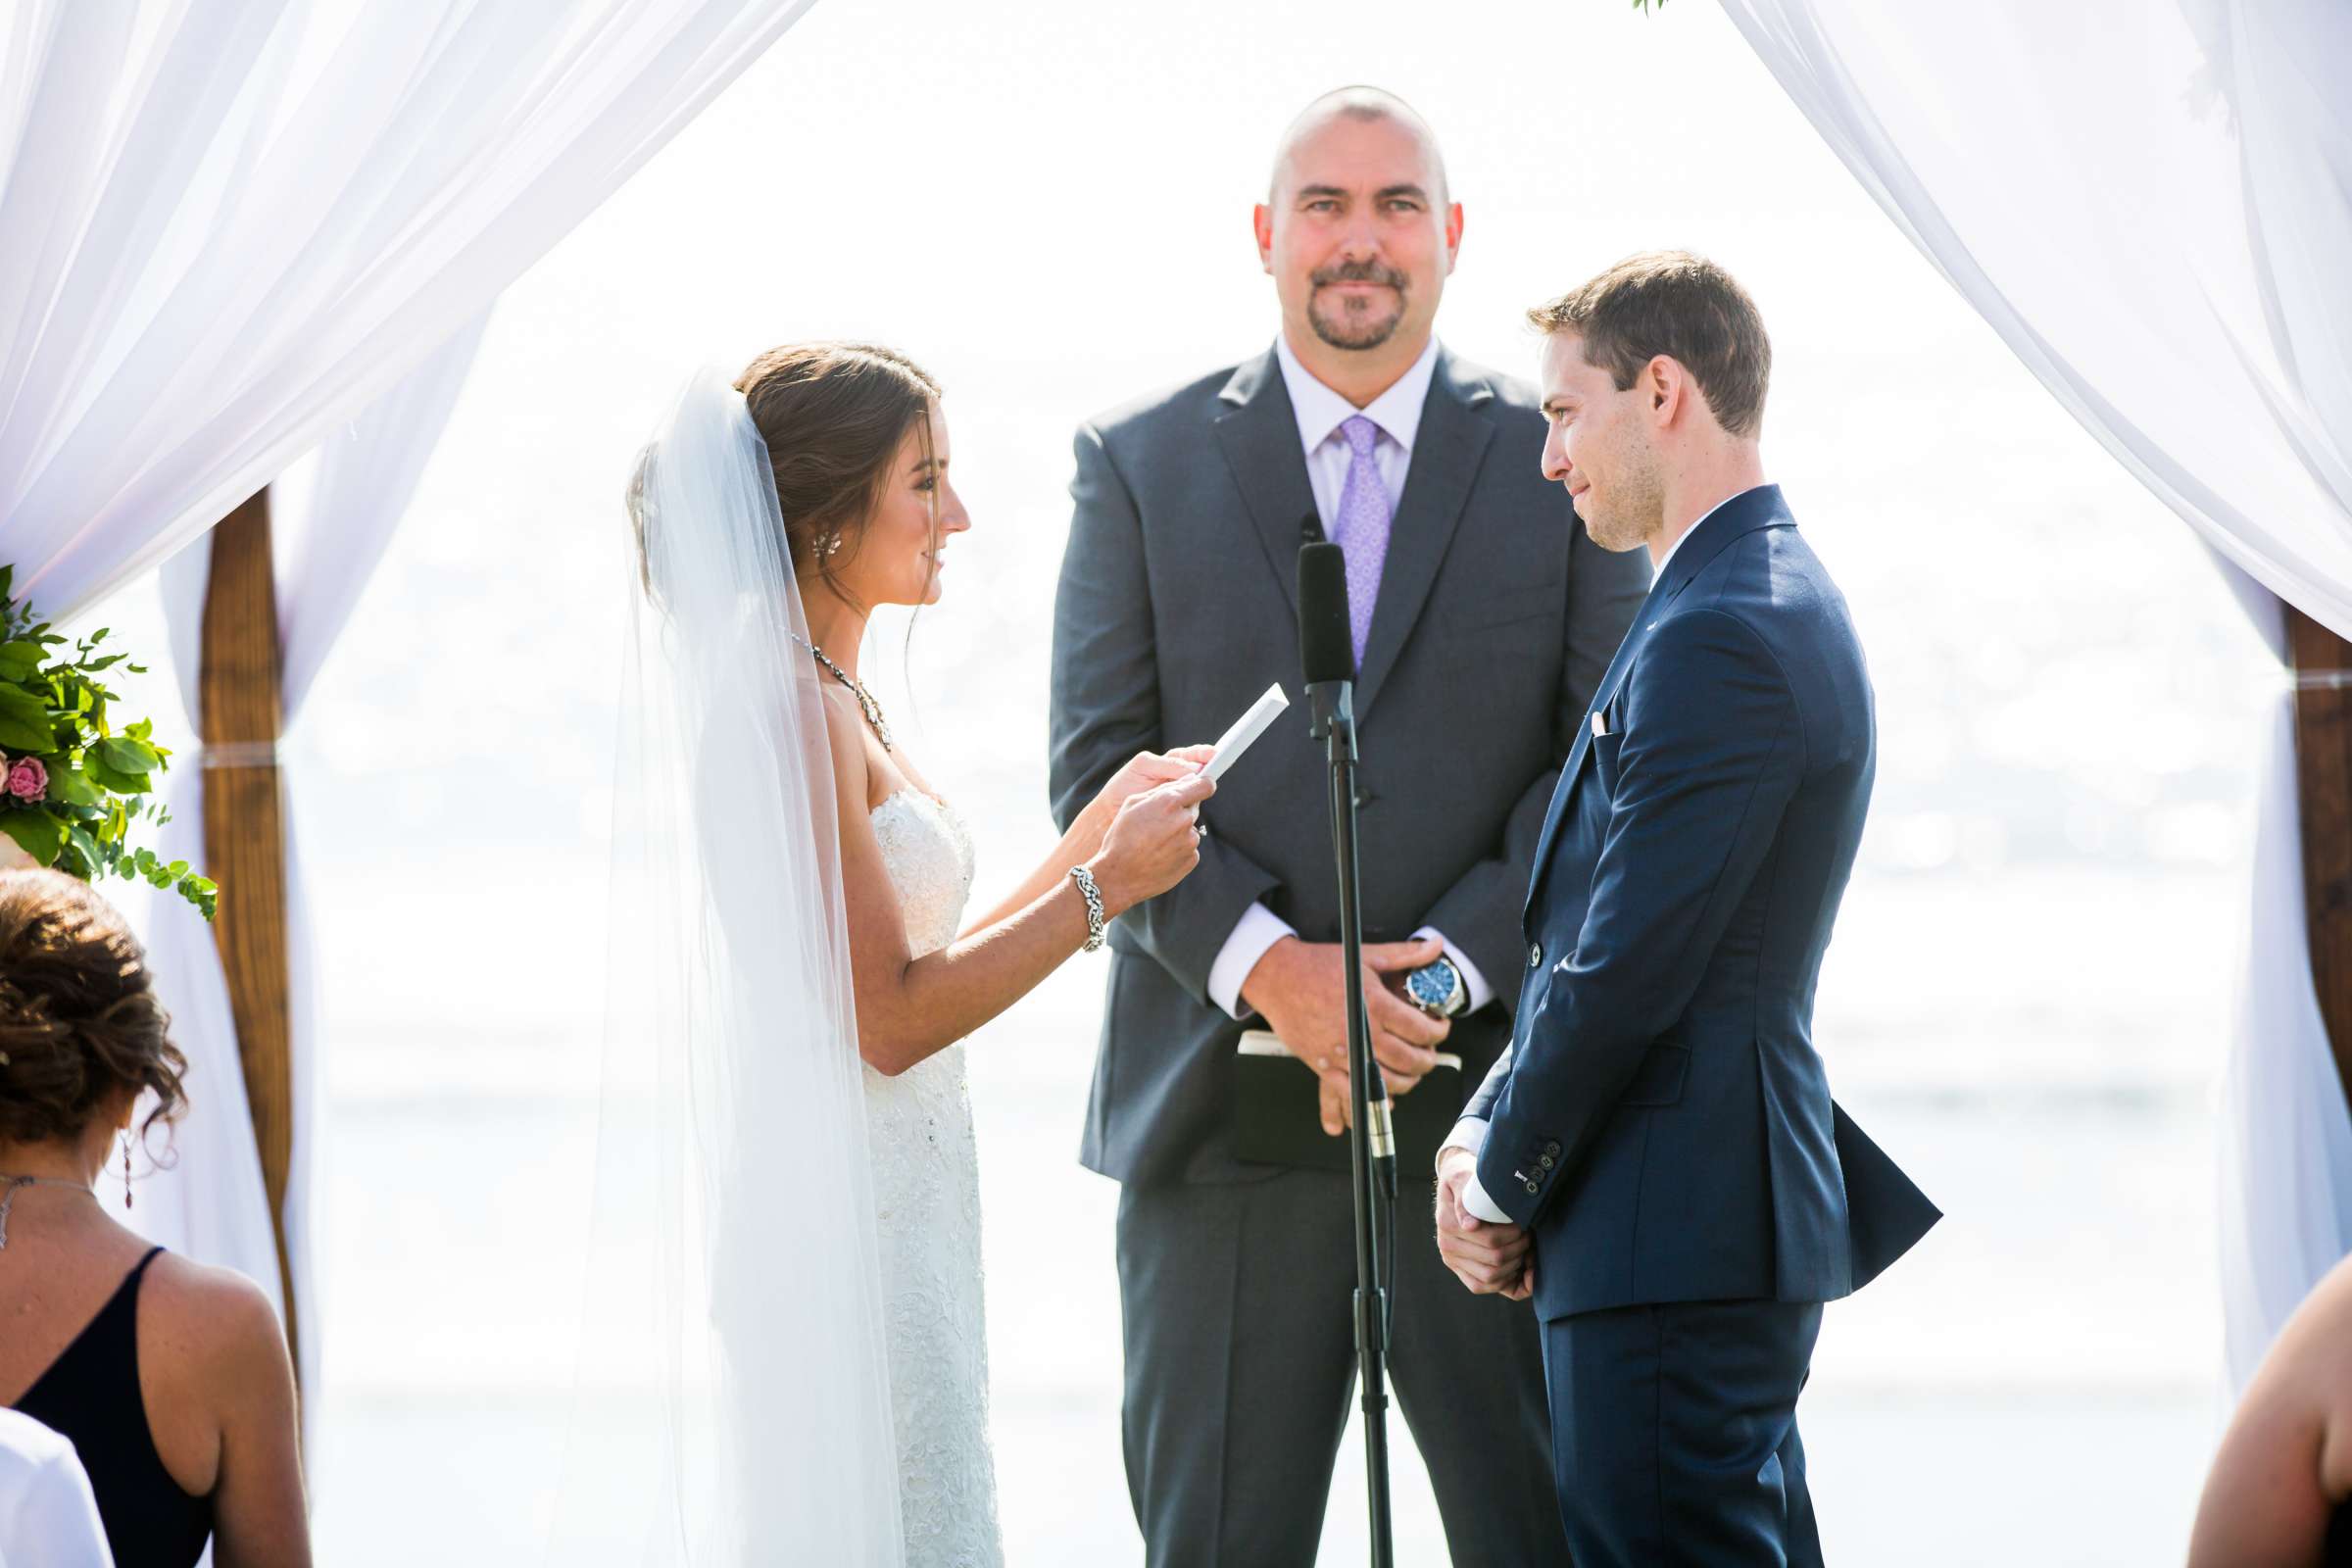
[[1546, 1162], [1552, 1147], [1531, 1186], [1534, 957]]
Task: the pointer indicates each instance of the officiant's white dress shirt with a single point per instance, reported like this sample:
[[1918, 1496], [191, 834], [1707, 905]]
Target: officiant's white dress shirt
[[1471, 1131], [1320, 411]]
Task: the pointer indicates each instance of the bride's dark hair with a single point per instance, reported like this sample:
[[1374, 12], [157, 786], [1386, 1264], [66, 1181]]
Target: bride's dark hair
[[833, 416]]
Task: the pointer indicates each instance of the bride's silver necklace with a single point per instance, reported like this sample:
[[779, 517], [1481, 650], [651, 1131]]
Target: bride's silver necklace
[[865, 699], [17, 1183]]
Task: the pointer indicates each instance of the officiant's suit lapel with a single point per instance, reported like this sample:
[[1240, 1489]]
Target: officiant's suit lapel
[[1258, 433]]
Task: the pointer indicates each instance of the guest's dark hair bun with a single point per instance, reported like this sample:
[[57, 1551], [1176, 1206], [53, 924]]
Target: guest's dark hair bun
[[79, 1019]]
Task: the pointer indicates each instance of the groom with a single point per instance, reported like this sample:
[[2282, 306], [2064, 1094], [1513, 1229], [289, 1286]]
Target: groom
[[1482, 620], [1661, 1126]]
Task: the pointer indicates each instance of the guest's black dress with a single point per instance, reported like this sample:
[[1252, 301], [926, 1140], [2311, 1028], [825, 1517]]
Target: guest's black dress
[[90, 1393]]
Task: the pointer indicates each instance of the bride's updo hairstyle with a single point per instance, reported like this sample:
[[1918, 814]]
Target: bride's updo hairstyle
[[79, 1019]]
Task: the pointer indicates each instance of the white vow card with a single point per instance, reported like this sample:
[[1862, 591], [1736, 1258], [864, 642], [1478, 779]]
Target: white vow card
[[1267, 1043], [1245, 729]]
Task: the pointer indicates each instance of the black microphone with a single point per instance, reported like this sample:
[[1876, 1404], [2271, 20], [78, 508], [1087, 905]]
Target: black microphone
[[1327, 659], [1326, 645]]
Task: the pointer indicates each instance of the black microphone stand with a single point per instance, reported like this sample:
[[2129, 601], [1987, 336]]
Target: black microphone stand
[[1371, 1141]]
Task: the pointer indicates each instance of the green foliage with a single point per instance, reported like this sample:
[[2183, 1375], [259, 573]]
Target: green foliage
[[56, 710]]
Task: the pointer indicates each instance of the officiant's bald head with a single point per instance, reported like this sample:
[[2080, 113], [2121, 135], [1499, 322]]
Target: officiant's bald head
[[1363, 106]]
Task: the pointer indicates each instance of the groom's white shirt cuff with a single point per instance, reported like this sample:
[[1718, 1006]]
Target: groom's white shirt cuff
[[1260, 928], [1471, 1133]]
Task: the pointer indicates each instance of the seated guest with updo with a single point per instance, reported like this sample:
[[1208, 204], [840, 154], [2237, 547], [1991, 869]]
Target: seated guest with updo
[[170, 1378]]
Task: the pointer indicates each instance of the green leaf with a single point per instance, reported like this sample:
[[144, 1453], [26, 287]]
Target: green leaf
[[127, 756], [114, 779], [143, 730], [25, 725], [36, 832], [93, 859], [200, 893], [72, 786]]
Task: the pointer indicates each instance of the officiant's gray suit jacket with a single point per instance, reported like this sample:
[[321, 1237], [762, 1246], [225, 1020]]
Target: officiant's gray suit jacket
[[1178, 604]]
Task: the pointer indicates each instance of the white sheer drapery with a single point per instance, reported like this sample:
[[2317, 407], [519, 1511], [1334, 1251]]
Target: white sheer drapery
[[331, 519], [228, 226], [2153, 207]]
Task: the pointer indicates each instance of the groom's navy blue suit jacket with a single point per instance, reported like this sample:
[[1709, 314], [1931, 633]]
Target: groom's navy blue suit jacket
[[1661, 1120]]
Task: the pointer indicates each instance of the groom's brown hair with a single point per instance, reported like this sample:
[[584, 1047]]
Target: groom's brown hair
[[1683, 307]]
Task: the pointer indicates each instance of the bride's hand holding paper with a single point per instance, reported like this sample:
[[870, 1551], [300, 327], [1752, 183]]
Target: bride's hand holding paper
[[1146, 771], [1153, 841]]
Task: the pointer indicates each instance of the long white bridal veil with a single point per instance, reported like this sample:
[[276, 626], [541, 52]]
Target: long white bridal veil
[[733, 1401]]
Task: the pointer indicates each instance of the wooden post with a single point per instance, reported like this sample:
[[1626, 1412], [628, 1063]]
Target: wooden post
[[244, 839], [2324, 776]]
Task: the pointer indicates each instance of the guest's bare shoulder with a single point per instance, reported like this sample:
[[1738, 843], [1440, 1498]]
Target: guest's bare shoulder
[[2315, 1355], [213, 1323]]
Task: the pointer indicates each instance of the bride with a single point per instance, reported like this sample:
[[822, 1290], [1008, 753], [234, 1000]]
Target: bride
[[788, 1214]]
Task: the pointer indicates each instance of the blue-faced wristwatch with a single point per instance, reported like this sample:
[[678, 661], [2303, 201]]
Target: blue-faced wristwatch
[[1437, 989]]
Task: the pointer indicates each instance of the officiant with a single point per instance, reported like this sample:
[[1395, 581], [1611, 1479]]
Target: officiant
[[1483, 616]]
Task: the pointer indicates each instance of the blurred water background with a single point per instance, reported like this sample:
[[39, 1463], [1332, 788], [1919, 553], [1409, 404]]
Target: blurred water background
[[1048, 207]]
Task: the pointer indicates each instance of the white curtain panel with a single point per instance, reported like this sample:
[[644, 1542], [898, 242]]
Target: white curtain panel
[[226, 226], [2284, 1139], [2153, 205], [331, 519]]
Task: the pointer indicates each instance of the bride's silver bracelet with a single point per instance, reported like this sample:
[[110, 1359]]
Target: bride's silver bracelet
[[1093, 906]]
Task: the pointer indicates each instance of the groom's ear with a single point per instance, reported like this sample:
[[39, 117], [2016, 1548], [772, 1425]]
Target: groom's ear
[[1261, 221], [1666, 386]]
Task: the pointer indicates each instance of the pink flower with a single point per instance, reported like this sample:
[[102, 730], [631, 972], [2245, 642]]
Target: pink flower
[[28, 779]]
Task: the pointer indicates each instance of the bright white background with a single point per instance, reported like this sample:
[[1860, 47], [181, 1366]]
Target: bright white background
[[1048, 207]]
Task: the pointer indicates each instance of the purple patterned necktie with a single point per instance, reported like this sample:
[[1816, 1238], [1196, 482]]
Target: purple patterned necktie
[[1362, 529]]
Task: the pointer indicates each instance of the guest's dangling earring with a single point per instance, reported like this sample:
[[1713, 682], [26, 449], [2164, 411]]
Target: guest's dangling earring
[[126, 1170]]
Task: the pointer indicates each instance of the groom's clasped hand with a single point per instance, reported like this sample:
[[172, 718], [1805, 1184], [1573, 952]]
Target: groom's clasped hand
[[1491, 1259]]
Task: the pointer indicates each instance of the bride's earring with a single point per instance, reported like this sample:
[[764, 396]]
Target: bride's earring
[[126, 1170], [833, 545]]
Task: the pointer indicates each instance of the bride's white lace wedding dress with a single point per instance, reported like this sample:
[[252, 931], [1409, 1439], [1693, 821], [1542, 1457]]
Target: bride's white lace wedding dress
[[927, 1216]]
